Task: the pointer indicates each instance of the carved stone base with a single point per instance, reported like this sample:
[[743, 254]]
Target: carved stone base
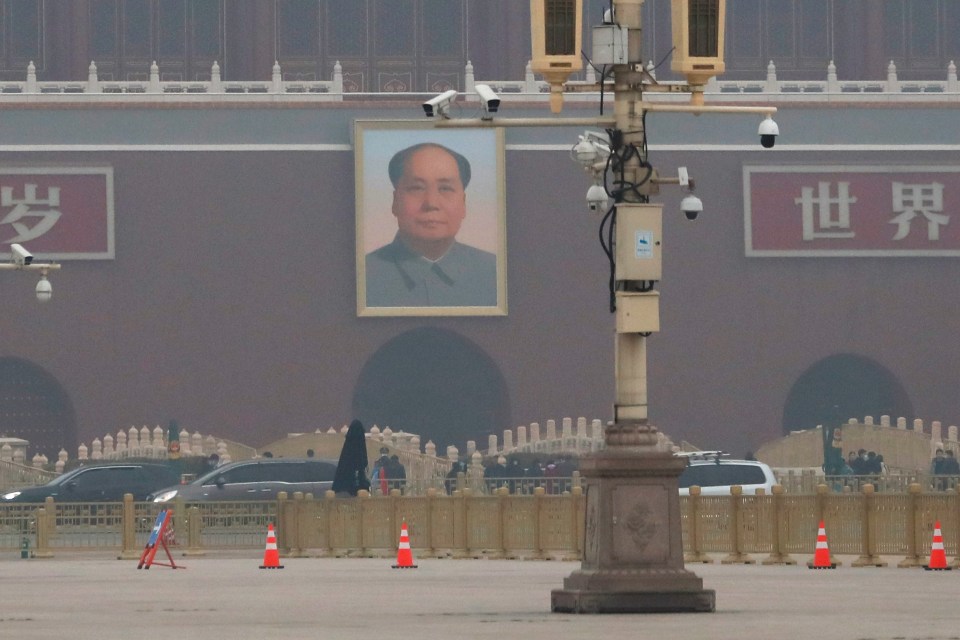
[[633, 549], [654, 591]]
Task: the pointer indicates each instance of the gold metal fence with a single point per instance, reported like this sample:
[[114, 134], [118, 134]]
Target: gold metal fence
[[773, 529]]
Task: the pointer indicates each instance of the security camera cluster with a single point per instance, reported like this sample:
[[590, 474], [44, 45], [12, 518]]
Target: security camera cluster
[[593, 149], [440, 105], [22, 260]]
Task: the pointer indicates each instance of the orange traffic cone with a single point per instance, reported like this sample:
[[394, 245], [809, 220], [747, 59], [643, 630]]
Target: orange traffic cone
[[271, 557], [821, 556], [938, 557], [404, 555]]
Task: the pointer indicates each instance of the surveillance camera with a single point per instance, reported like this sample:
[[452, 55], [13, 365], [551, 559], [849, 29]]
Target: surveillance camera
[[44, 289], [597, 198], [592, 147], [768, 132], [691, 206], [440, 104], [488, 97], [21, 256]]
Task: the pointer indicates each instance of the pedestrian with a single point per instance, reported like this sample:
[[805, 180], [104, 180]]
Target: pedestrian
[[551, 473], [494, 473], [513, 474], [852, 462], [565, 468], [453, 476], [872, 466], [351, 474], [936, 469], [396, 473], [883, 465], [950, 469], [379, 476], [534, 473]]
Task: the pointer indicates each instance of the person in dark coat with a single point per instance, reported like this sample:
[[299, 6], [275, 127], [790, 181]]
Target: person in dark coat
[[351, 474], [495, 473], [451, 481], [396, 473], [513, 473]]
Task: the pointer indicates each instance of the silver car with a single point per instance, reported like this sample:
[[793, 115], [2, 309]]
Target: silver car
[[260, 479]]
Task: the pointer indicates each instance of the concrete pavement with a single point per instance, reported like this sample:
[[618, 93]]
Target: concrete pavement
[[219, 597]]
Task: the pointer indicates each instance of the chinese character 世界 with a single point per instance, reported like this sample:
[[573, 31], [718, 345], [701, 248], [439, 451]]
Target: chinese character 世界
[[911, 200], [30, 206], [822, 223]]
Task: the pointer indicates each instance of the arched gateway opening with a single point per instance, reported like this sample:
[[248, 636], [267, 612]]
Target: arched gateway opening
[[841, 387], [34, 407], [435, 383]]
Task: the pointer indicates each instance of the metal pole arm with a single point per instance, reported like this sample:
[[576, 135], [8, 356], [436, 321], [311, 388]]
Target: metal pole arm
[[474, 123], [43, 267], [706, 108]]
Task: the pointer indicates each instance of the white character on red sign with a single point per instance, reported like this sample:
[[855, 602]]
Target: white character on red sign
[[822, 223], [911, 200], [27, 208]]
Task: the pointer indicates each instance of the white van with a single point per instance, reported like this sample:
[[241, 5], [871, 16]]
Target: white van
[[716, 476]]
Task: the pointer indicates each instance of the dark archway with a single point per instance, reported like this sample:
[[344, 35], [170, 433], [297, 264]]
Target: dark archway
[[34, 406], [437, 384], [841, 387]]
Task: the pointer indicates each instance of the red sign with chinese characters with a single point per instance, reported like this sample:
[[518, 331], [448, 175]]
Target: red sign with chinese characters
[[58, 213], [851, 211]]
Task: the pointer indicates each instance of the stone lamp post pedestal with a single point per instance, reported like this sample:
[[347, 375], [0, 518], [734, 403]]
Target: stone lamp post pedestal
[[633, 551]]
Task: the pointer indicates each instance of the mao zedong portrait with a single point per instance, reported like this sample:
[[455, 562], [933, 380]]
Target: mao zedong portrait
[[425, 265]]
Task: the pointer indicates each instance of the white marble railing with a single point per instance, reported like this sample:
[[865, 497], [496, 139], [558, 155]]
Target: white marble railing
[[938, 439], [154, 87], [152, 443], [530, 88]]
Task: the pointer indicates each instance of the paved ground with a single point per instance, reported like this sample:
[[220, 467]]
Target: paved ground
[[86, 597]]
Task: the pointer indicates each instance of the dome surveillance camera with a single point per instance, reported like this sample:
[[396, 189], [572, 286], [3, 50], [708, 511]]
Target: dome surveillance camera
[[597, 198], [768, 132], [691, 206], [44, 289], [592, 147]]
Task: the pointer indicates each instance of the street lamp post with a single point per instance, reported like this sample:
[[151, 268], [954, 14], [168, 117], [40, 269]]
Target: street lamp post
[[633, 547]]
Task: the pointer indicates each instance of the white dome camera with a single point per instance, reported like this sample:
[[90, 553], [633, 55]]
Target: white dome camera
[[768, 133], [692, 206], [597, 198]]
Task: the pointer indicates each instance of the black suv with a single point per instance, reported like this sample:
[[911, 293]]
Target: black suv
[[99, 483], [259, 479]]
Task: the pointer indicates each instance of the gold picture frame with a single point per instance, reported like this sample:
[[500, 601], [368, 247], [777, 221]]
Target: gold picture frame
[[400, 216]]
